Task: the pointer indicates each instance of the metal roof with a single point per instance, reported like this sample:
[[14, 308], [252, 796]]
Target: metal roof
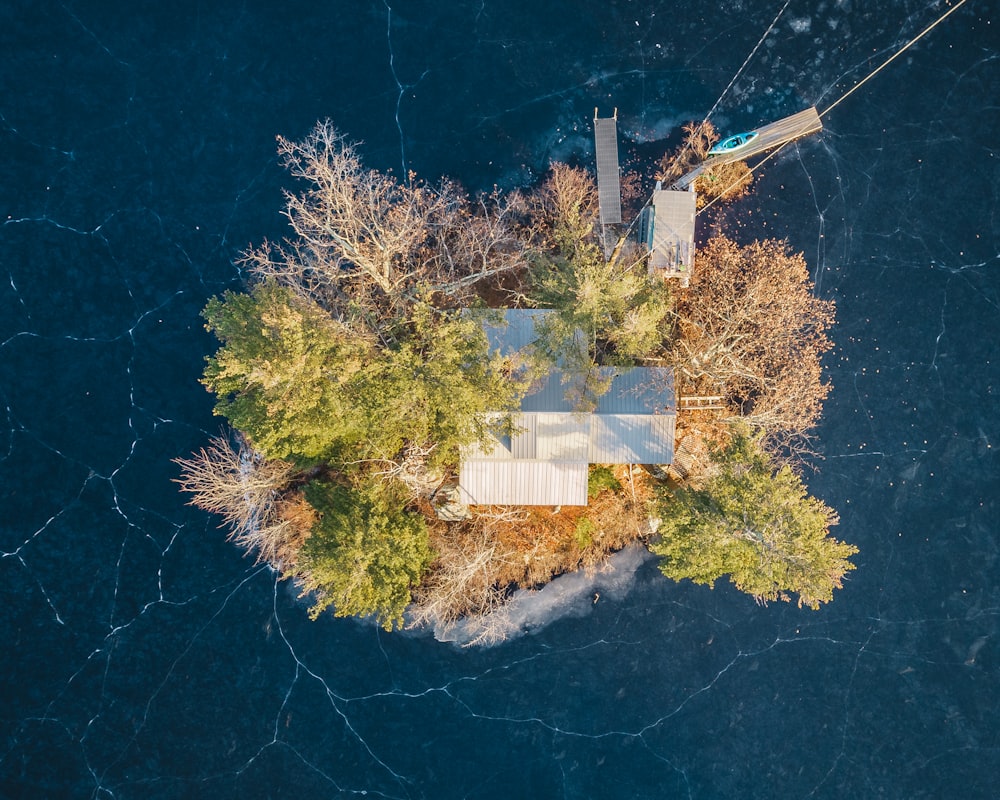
[[631, 439], [670, 231], [527, 483], [517, 332], [544, 460]]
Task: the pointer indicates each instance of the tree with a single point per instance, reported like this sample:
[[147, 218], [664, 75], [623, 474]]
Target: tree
[[466, 576], [245, 489], [302, 386], [751, 329], [365, 553], [725, 180], [366, 246], [607, 312], [756, 524], [435, 388], [285, 372]]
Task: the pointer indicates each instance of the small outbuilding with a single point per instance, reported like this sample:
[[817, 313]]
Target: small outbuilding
[[666, 231]]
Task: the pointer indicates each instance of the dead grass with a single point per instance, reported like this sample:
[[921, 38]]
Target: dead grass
[[481, 561]]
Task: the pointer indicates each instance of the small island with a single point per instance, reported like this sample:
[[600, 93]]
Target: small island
[[436, 399]]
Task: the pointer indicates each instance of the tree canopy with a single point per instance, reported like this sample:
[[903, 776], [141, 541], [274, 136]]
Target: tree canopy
[[301, 385], [285, 372], [752, 330], [364, 554], [754, 522], [366, 246], [607, 312], [356, 366]]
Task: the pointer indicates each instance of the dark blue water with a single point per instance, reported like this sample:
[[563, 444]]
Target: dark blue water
[[144, 658]]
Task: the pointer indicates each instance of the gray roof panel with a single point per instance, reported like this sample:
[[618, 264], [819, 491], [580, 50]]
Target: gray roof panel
[[523, 483]]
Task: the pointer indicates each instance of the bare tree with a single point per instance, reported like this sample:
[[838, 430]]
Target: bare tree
[[565, 209], [751, 330], [365, 244], [243, 488], [466, 578]]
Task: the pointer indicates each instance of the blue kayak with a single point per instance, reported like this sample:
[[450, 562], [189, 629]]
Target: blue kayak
[[733, 143]]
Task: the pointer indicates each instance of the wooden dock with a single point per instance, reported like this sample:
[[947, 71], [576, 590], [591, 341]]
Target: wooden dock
[[769, 137], [609, 191]]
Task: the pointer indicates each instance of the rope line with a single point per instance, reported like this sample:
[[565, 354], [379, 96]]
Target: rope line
[[893, 57], [849, 92], [736, 77], [822, 113]]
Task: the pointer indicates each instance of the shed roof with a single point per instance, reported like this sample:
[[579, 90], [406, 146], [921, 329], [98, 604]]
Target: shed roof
[[668, 231], [523, 483]]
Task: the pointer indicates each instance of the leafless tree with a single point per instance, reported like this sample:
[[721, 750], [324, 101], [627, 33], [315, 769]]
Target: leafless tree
[[751, 329], [466, 579], [565, 207], [365, 244], [244, 489]]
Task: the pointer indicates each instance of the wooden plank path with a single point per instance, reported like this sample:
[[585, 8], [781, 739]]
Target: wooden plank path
[[609, 192], [769, 136]]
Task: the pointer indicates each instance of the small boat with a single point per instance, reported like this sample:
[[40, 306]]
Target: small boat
[[733, 143]]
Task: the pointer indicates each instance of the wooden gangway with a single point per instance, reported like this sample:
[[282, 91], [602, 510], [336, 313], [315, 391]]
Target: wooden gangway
[[609, 193], [769, 137]]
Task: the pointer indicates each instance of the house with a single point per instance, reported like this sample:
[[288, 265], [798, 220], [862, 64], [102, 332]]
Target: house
[[545, 460]]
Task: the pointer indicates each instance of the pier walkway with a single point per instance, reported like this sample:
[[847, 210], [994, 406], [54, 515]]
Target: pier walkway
[[609, 191], [770, 136]]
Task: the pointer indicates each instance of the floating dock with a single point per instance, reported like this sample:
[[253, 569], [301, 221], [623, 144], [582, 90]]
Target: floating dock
[[770, 136]]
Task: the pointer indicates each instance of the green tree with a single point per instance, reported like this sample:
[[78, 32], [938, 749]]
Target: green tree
[[435, 387], [365, 552], [755, 524], [607, 312], [284, 373], [302, 386]]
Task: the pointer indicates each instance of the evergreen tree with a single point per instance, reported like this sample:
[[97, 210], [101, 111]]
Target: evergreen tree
[[608, 313], [756, 524], [285, 372], [302, 386], [364, 554]]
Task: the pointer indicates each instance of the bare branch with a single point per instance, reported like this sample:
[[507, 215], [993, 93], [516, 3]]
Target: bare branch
[[243, 488]]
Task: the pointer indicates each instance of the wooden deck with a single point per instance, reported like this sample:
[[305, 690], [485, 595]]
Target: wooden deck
[[770, 136], [609, 191]]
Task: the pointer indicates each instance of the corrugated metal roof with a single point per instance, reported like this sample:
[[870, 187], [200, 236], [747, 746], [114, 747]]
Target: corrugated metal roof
[[519, 331], [562, 437], [500, 446], [545, 459], [631, 439], [529, 483], [638, 390], [550, 395]]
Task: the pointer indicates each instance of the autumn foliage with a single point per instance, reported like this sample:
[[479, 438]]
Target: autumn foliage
[[355, 367], [722, 180], [751, 330]]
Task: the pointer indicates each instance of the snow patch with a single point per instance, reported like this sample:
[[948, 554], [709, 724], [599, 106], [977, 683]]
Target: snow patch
[[572, 595]]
